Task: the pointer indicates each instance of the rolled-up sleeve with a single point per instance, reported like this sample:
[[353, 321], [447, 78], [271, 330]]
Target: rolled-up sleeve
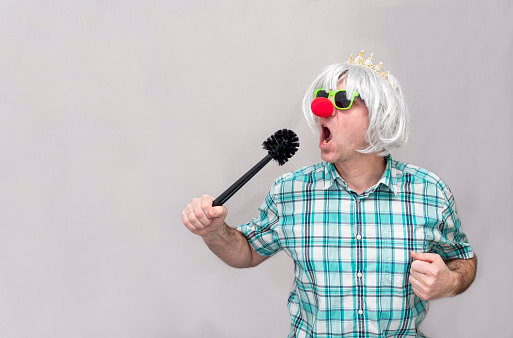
[[450, 240], [260, 231]]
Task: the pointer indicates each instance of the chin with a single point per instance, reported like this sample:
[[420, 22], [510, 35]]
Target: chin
[[327, 158]]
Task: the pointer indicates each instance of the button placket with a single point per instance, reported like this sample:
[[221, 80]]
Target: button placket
[[359, 220]]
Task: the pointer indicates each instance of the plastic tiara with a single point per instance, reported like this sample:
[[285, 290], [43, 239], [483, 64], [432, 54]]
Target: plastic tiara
[[360, 61]]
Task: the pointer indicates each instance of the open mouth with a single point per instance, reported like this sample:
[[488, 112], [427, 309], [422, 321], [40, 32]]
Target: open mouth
[[326, 135]]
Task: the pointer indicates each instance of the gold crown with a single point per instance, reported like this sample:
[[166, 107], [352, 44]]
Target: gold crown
[[360, 61]]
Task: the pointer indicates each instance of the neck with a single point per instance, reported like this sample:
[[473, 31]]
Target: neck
[[362, 172]]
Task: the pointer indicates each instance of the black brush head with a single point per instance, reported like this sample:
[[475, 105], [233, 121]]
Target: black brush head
[[282, 145]]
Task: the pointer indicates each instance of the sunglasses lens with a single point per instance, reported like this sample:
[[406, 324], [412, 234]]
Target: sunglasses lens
[[322, 93], [341, 100]]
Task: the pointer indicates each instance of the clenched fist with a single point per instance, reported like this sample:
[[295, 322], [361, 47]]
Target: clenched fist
[[430, 277], [201, 218]]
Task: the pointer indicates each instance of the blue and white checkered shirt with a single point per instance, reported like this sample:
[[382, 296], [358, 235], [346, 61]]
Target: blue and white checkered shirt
[[352, 252]]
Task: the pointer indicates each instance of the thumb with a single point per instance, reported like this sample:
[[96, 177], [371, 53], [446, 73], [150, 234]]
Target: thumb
[[424, 256], [218, 212]]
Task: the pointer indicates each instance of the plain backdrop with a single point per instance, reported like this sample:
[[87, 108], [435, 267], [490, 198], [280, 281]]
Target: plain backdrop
[[114, 114]]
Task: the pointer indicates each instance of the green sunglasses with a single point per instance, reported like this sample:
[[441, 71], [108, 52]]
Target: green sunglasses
[[339, 97]]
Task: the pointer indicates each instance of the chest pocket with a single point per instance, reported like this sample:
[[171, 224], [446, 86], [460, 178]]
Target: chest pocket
[[399, 233], [395, 255]]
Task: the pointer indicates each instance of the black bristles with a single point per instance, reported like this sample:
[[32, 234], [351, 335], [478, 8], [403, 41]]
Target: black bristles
[[282, 145]]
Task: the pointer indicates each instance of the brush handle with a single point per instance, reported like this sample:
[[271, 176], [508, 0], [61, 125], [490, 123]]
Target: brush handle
[[240, 182]]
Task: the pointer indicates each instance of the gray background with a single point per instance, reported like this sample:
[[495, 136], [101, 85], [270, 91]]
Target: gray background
[[114, 114]]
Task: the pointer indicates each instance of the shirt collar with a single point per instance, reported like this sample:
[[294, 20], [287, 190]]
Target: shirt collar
[[388, 178], [331, 175]]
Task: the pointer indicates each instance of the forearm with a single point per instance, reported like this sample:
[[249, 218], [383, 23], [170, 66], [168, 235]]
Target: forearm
[[232, 247], [464, 271], [228, 244]]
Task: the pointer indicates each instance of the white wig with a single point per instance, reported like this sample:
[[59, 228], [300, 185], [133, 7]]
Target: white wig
[[388, 112]]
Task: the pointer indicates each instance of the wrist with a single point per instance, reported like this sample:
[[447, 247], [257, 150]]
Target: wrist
[[216, 234]]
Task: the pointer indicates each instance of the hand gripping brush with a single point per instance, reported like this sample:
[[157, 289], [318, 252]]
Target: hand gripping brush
[[280, 146]]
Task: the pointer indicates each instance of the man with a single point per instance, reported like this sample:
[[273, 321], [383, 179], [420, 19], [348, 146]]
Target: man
[[372, 239]]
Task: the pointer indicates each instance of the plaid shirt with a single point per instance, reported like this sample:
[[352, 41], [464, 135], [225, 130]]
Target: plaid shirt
[[352, 252]]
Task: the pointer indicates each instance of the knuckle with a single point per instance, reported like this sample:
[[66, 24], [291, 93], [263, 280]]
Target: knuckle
[[206, 203], [428, 296], [206, 198], [191, 216]]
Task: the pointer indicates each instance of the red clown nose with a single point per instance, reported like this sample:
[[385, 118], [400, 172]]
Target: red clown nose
[[322, 107]]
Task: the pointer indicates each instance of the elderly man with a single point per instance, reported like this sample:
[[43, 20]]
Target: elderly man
[[372, 239]]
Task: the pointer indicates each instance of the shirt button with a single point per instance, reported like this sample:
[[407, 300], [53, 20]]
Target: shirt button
[[359, 274], [358, 236], [360, 311]]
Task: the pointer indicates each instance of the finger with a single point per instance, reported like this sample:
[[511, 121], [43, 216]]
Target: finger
[[423, 282], [417, 275], [206, 205], [193, 220], [219, 212], [425, 256], [424, 292], [185, 221], [188, 208], [417, 286], [419, 292], [426, 281], [189, 218], [421, 267], [198, 216]]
